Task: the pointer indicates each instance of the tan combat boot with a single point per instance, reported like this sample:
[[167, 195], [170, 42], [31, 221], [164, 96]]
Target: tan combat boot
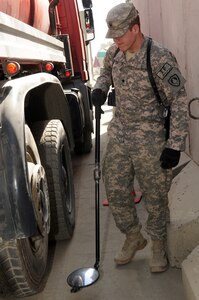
[[158, 262], [133, 243]]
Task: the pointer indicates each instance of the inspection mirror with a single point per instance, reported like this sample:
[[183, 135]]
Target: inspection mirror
[[194, 108], [81, 278]]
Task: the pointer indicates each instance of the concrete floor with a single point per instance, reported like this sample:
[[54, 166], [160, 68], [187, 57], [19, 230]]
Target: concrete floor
[[133, 281]]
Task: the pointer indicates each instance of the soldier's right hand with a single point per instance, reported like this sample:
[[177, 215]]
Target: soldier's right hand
[[98, 97]]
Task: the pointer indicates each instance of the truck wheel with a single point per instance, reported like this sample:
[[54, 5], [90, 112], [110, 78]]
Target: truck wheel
[[56, 158], [87, 141], [86, 145], [23, 261]]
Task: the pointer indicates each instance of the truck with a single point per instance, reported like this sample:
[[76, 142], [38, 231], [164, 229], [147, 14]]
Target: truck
[[46, 115]]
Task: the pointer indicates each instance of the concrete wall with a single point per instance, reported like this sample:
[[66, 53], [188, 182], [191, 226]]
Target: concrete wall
[[174, 23]]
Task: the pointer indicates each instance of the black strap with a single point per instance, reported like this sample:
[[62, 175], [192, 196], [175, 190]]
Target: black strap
[[150, 73], [167, 112], [149, 69]]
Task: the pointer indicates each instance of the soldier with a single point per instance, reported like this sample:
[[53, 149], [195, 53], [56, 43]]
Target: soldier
[[136, 134]]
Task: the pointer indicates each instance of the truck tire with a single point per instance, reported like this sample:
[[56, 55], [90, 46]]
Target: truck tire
[[23, 261], [55, 155], [85, 146]]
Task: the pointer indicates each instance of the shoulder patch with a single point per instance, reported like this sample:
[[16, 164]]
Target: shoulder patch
[[164, 71], [172, 77]]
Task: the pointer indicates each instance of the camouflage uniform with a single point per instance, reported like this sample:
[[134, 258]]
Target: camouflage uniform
[[137, 136]]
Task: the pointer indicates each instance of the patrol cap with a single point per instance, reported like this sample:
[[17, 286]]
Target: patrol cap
[[119, 18]]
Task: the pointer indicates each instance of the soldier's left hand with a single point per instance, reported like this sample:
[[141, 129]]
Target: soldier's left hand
[[169, 158]]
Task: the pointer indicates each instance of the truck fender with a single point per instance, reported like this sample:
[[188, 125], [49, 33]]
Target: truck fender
[[79, 99], [23, 101], [86, 102]]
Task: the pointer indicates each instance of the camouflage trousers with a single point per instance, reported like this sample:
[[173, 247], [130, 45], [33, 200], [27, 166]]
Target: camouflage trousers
[[123, 160]]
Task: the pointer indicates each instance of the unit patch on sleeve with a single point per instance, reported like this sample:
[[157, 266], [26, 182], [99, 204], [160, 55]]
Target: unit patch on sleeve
[[164, 71], [171, 77]]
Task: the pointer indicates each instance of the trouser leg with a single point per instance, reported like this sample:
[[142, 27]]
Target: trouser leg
[[155, 183], [118, 176]]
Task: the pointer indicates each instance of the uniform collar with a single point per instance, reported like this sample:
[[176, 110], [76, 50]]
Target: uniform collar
[[120, 57]]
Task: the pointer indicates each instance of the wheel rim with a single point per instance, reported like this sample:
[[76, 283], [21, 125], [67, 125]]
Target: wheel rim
[[40, 198], [39, 193]]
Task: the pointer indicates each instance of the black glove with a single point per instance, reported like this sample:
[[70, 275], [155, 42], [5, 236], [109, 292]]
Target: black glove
[[98, 97], [169, 158]]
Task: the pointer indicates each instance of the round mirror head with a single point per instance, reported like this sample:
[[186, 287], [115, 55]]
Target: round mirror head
[[194, 108], [82, 277]]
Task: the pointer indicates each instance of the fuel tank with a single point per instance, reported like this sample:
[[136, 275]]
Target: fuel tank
[[19, 9], [41, 15], [32, 12]]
